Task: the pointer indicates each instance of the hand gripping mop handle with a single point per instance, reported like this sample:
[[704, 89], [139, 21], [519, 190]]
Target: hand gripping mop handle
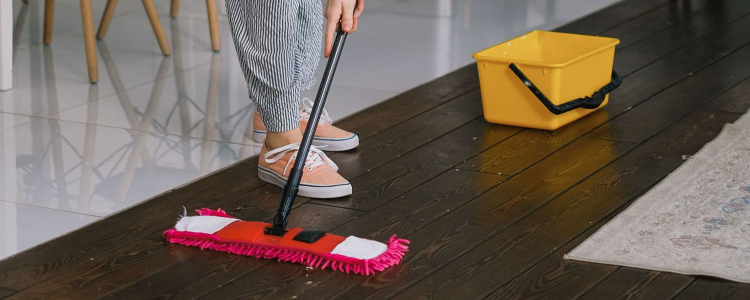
[[292, 184]]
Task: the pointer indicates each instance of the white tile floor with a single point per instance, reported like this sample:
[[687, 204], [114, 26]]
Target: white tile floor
[[72, 152]]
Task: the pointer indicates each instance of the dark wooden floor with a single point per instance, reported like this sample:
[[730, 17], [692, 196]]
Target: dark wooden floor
[[490, 209]]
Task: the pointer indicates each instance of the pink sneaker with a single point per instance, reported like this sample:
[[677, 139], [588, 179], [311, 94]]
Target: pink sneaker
[[319, 178], [332, 137]]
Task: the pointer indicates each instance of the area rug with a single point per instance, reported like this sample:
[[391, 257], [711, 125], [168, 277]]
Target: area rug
[[695, 222]]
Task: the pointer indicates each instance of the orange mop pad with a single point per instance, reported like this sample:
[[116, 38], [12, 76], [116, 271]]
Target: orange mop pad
[[214, 229]]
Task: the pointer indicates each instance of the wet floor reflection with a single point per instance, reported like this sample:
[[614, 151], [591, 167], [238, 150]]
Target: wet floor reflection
[[76, 170]]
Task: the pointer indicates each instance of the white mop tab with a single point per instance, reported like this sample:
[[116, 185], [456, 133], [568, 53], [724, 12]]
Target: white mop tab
[[203, 224], [360, 248]]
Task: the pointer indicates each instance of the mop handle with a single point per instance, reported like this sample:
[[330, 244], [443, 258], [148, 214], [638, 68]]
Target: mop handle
[[292, 184]]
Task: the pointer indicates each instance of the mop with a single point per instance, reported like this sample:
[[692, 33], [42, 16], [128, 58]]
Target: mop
[[216, 230]]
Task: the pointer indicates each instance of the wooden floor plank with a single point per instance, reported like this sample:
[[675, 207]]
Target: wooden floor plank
[[416, 167], [679, 65], [709, 21], [92, 278], [657, 20], [401, 216], [637, 284], [736, 100], [423, 205], [450, 236], [409, 104], [542, 281], [529, 146], [649, 118], [389, 144], [505, 255], [4, 293], [714, 289]]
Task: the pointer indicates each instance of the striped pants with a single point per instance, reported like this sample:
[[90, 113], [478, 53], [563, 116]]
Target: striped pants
[[278, 43]]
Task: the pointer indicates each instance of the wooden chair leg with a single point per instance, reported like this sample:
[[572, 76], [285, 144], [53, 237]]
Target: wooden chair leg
[[213, 24], [106, 19], [90, 40], [175, 8], [156, 24], [49, 20]]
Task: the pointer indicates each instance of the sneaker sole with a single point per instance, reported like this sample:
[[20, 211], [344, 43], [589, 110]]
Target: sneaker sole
[[307, 190], [325, 144]]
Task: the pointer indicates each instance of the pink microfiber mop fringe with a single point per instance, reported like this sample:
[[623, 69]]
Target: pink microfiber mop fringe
[[211, 212], [396, 249]]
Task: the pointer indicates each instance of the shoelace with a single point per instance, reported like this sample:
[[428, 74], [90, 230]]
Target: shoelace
[[315, 157], [305, 109]]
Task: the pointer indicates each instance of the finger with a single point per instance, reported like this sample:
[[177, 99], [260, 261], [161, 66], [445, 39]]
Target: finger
[[360, 7], [355, 26], [347, 18], [330, 32]]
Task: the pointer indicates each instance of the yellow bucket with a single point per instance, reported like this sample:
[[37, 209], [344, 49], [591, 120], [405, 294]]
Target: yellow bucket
[[546, 80]]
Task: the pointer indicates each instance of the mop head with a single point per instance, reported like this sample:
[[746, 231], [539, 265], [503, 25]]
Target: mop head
[[214, 229]]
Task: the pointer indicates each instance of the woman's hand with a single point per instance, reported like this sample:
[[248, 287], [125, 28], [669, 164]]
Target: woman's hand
[[345, 11]]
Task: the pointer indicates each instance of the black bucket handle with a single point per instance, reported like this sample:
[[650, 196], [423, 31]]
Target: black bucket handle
[[592, 102]]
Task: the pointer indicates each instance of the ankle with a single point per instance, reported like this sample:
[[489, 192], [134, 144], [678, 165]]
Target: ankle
[[280, 139]]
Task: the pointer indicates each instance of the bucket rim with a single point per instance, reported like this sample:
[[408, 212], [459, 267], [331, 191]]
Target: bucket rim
[[479, 57]]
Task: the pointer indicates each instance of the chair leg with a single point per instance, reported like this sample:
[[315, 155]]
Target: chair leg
[[213, 24], [156, 24], [49, 20], [106, 19], [89, 39], [175, 8]]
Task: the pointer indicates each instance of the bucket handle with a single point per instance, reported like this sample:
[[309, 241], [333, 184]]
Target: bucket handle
[[592, 102]]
